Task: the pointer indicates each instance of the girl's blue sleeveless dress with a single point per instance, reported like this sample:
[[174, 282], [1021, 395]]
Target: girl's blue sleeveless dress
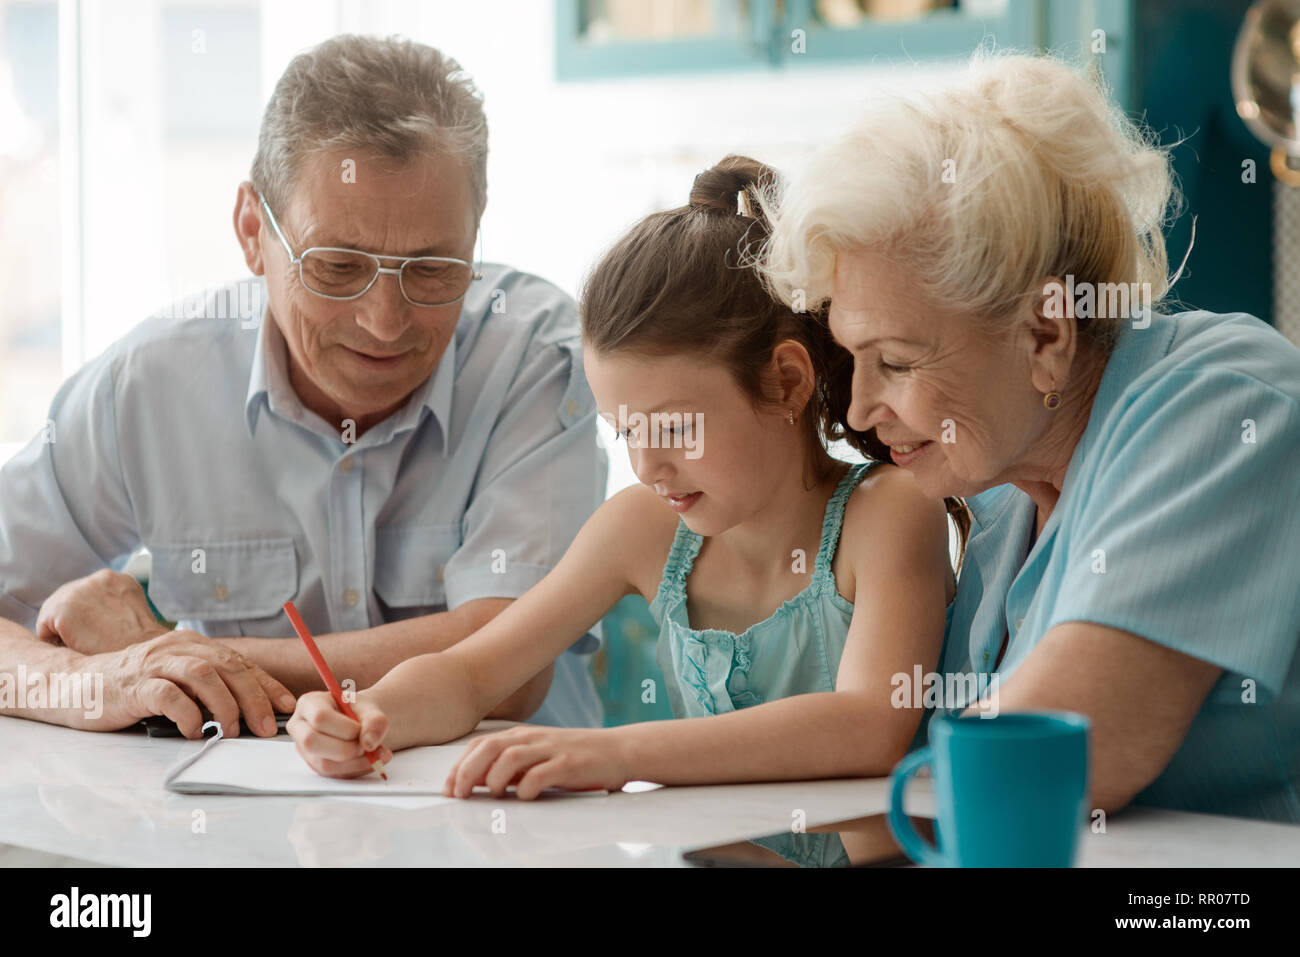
[[795, 651]]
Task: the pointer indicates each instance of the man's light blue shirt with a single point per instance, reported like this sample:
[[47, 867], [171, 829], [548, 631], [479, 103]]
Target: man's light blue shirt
[[186, 437], [1178, 521]]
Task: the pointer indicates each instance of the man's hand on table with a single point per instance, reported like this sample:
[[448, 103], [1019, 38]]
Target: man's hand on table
[[173, 674], [106, 611], [150, 670]]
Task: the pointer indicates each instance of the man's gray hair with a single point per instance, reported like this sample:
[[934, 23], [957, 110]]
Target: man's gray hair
[[387, 96]]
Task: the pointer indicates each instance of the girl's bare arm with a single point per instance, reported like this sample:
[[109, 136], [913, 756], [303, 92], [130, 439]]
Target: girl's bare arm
[[441, 696]]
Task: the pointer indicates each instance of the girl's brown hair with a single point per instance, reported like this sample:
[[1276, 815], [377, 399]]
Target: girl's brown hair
[[683, 281]]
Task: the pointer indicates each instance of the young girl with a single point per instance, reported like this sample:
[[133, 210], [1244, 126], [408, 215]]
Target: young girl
[[790, 588]]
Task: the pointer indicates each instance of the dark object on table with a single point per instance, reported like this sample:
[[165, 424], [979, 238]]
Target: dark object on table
[[159, 726]]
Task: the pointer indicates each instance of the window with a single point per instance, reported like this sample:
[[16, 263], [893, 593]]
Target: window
[[30, 266]]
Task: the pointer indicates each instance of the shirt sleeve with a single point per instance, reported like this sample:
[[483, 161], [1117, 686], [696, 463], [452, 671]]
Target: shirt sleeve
[[1190, 536], [543, 474], [64, 509]]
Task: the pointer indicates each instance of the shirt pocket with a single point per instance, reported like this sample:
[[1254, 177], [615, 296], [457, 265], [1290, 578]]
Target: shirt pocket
[[228, 582], [410, 562]]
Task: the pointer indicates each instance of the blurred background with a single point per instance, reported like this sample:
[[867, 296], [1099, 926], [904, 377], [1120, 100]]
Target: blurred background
[[125, 127]]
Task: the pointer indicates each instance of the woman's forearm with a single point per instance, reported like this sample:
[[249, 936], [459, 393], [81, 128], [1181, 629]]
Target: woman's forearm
[[805, 737]]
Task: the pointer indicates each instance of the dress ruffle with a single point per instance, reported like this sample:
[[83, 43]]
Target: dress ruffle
[[691, 649]]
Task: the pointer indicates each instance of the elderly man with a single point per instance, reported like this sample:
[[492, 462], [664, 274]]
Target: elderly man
[[396, 441]]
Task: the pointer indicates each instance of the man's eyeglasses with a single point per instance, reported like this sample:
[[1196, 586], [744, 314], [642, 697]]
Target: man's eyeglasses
[[336, 273]]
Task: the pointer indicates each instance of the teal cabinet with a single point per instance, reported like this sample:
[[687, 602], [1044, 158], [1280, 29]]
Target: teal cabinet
[[607, 39]]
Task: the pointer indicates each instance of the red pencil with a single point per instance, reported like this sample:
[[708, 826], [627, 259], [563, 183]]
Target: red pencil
[[328, 677]]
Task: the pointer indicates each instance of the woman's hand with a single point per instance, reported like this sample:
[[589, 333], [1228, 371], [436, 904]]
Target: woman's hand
[[333, 744], [535, 758]]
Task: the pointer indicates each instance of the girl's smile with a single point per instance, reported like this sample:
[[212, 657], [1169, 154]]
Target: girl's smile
[[680, 503]]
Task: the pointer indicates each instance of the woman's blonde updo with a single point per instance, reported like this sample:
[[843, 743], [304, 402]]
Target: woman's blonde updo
[[1021, 169]]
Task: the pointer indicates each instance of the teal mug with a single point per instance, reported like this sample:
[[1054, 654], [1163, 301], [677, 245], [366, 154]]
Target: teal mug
[[1008, 791]]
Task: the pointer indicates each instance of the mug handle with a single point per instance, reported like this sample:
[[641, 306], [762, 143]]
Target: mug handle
[[913, 845]]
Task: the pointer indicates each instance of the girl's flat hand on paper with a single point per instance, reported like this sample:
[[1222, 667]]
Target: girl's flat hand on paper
[[535, 758], [333, 744]]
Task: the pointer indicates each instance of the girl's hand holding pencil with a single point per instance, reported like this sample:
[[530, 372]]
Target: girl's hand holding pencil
[[334, 738], [333, 744]]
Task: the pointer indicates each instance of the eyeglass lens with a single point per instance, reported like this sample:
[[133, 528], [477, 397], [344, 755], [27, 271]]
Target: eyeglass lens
[[425, 281]]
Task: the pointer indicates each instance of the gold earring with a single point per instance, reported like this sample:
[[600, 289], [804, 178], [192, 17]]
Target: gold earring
[[789, 414], [1052, 400]]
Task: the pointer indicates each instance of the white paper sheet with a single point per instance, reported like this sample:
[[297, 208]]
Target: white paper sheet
[[273, 766]]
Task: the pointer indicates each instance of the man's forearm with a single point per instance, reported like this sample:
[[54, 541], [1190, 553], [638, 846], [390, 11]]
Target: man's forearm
[[366, 656], [362, 656], [22, 656], [523, 704]]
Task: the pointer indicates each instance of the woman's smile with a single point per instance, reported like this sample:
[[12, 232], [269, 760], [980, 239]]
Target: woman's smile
[[907, 454]]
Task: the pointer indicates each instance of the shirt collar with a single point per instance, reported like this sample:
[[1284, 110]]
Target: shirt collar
[[269, 380], [262, 378], [1135, 351], [987, 507]]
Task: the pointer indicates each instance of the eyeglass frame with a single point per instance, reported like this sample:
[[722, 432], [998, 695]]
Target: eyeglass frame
[[379, 266]]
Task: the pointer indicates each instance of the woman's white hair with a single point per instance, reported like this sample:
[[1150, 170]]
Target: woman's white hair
[[1019, 170], [381, 96]]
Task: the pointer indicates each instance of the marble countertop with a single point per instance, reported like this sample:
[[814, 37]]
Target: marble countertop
[[73, 797]]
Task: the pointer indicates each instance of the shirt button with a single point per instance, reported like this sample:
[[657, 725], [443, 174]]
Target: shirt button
[[345, 465], [350, 598], [1020, 621], [220, 593], [440, 573], [572, 407]]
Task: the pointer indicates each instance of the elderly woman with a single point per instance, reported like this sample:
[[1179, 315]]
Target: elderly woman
[[1133, 479]]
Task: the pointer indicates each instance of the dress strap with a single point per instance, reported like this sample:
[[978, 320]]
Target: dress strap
[[835, 515], [681, 556]]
